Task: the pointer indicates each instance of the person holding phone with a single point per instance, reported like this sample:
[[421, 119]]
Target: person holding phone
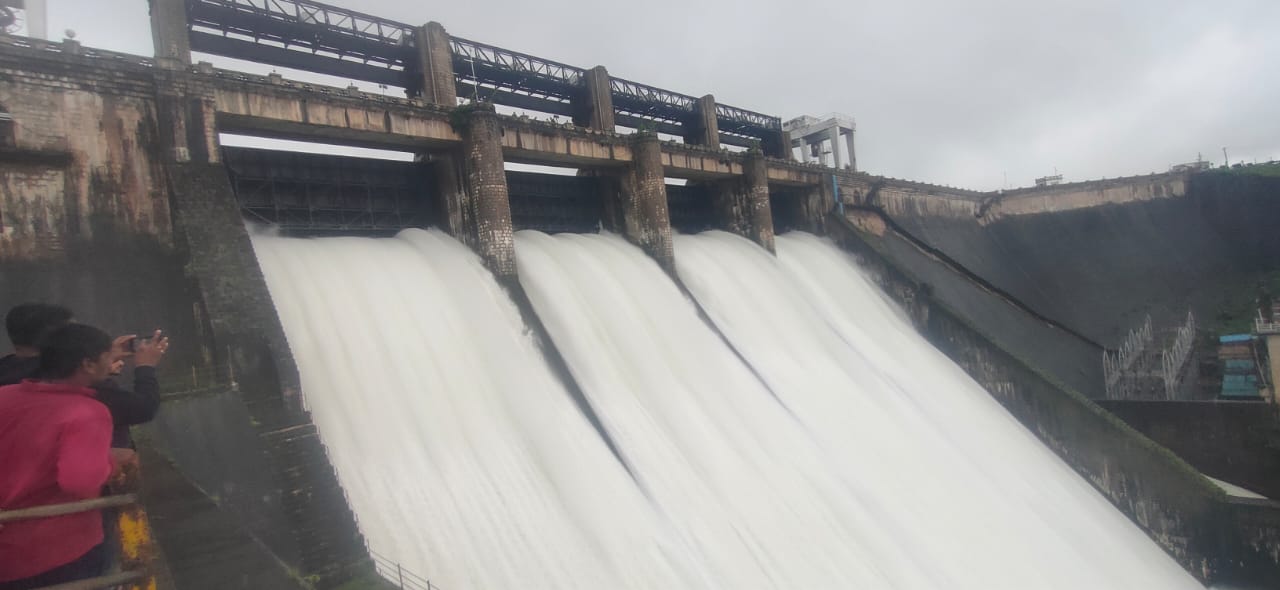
[[29, 323], [139, 405]]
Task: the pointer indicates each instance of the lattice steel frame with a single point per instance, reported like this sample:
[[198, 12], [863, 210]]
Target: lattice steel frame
[[514, 79], [304, 35], [313, 36], [300, 193]]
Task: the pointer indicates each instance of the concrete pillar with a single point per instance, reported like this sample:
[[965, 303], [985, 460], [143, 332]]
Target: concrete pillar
[[703, 129], [641, 203], [834, 135], [37, 15], [804, 208], [742, 204], [594, 107], [777, 145], [442, 177], [756, 181], [1273, 351], [186, 117], [853, 155], [435, 84], [169, 33], [486, 187]]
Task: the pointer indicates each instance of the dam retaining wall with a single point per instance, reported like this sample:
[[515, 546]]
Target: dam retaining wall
[[1216, 538]]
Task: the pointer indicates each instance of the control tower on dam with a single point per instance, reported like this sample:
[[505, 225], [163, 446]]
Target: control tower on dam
[[118, 200]]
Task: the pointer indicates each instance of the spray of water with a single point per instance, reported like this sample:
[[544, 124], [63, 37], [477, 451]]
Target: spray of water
[[846, 454], [462, 455], [741, 482], [949, 473]]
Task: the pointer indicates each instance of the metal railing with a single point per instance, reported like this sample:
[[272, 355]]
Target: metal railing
[[748, 118], [134, 546], [1262, 326], [336, 19], [309, 35], [644, 93], [514, 61], [397, 574], [74, 48], [1117, 364], [1173, 359]]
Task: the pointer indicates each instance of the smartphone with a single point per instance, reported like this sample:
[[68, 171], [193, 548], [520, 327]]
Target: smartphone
[[133, 343]]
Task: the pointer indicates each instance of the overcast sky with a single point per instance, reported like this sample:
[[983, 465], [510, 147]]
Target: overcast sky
[[964, 93]]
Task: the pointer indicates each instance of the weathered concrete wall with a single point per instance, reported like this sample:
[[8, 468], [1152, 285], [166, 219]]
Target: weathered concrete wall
[[638, 209], [898, 197], [1214, 539], [1237, 442], [1083, 195], [486, 183], [273, 106], [1255, 542], [435, 60], [84, 217], [100, 214], [85, 161], [314, 530], [204, 548], [1099, 256], [1053, 349], [742, 205]]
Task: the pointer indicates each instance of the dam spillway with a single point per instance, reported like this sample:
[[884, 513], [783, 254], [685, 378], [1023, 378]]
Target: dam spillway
[[811, 446], [116, 176]]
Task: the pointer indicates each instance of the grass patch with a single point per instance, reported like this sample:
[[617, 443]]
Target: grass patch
[[1266, 169], [1238, 305]]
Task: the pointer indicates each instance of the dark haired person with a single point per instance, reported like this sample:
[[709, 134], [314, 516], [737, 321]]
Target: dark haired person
[[55, 447], [139, 405], [26, 325]]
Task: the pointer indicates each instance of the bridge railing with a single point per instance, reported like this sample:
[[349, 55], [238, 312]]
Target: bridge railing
[[1262, 326], [74, 48], [337, 19], [310, 35], [133, 541], [514, 61], [1174, 358], [748, 119], [397, 574]]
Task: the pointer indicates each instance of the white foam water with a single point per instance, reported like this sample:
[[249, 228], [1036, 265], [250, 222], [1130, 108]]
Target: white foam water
[[462, 455], [950, 474], [845, 452]]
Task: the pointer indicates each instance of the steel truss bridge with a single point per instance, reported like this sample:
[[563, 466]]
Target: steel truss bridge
[[316, 37]]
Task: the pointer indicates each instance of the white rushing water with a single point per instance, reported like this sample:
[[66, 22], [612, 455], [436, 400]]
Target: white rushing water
[[848, 453], [946, 471], [463, 457]]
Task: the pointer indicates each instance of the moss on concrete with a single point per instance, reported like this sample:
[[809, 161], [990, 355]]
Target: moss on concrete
[[1237, 304]]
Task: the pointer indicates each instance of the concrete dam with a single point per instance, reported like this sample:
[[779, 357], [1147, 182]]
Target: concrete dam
[[695, 362]]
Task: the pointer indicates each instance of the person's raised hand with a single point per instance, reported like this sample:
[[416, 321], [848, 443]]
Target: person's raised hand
[[147, 353], [120, 346]]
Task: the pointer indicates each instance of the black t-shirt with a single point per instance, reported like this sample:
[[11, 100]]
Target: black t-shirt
[[14, 368], [127, 407]]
